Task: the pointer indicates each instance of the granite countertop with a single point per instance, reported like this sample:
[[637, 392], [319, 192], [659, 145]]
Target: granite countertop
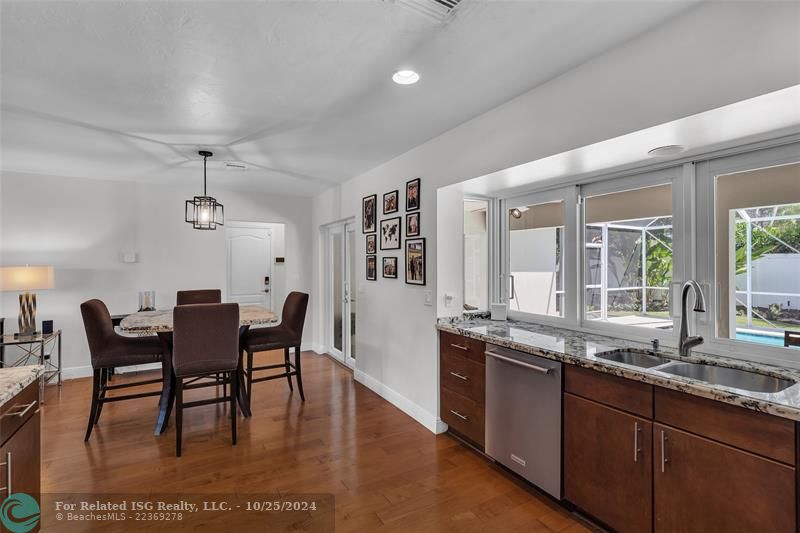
[[161, 320], [581, 349], [14, 379]]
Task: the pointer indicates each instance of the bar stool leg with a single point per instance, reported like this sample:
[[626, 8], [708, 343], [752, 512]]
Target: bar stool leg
[[234, 396], [93, 408], [178, 415], [288, 367], [249, 379], [299, 375]]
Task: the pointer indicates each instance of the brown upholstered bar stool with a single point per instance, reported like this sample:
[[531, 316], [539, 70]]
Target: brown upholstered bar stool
[[110, 350], [199, 296], [287, 335], [205, 342]]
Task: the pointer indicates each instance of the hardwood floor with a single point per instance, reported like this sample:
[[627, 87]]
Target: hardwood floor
[[387, 472]]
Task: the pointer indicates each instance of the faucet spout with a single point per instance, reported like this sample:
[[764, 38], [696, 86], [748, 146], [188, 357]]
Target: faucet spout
[[686, 341]]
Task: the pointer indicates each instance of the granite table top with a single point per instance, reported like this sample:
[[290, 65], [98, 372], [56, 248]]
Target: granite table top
[[161, 320], [581, 349], [14, 379]]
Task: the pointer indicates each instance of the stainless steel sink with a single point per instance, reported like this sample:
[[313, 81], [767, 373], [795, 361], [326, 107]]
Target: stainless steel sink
[[633, 357], [729, 377]]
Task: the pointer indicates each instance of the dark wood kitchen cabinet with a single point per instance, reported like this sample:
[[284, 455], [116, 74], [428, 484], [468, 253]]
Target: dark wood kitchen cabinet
[[704, 486], [608, 468], [20, 448], [462, 380]]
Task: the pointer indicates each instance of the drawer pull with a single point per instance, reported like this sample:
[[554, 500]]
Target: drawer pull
[[459, 376], [7, 464], [535, 368], [23, 412], [459, 415], [460, 347]]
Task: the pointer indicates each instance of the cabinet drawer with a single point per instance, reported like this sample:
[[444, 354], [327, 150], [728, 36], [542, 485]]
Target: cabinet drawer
[[760, 433], [18, 410], [615, 391], [464, 416], [463, 376], [463, 346]]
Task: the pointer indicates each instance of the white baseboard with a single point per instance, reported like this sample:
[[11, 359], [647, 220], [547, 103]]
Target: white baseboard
[[75, 372], [428, 420], [318, 349]]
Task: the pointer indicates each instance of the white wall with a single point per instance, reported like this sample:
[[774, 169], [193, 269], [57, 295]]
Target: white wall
[[714, 55], [82, 227]]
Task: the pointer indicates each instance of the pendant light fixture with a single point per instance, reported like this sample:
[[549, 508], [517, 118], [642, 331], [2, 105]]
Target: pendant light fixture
[[204, 212]]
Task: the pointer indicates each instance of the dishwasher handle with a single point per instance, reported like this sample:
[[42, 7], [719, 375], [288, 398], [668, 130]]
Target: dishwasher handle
[[539, 369]]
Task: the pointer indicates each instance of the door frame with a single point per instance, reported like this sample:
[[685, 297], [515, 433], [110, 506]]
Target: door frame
[[242, 224]]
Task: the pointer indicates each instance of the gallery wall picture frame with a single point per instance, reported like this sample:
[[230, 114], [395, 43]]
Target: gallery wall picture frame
[[391, 202], [390, 233], [412, 224], [372, 267], [372, 243], [369, 213], [415, 261], [413, 194], [390, 267]]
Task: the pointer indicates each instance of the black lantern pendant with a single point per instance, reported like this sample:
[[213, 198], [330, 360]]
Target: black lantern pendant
[[204, 212]]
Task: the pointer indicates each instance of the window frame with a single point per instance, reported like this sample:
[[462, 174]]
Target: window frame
[[675, 176], [707, 172], [569, 197]]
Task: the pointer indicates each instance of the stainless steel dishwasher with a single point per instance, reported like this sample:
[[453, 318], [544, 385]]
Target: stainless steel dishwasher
[[523, 415]]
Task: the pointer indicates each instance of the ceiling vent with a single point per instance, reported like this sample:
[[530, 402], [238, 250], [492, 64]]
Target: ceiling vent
[[438, 11]]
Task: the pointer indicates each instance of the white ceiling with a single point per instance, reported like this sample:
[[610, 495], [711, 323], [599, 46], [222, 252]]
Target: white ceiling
[[299, 91]]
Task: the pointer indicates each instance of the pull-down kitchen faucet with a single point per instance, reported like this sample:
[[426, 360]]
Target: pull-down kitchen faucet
[[685, 341]]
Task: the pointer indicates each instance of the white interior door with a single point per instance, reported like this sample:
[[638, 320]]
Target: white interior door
[[341, 293], [249, 265]]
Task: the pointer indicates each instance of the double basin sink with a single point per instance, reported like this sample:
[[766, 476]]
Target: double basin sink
[[715, 375]]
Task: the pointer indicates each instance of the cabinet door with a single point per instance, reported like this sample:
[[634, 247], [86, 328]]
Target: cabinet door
[[23, 448], [608, 468], [704, 486]]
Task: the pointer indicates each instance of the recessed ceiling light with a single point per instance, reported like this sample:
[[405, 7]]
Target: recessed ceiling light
[[663, 151], [405, 77]]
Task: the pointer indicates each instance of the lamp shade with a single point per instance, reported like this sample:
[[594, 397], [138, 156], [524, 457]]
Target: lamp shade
[[26, 278]]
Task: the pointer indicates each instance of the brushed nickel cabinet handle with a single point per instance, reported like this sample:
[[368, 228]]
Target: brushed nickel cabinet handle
[[459, 376], [7, 464], [636, 449], [664, 460], [460, 347], [459, 415], [27, 407]]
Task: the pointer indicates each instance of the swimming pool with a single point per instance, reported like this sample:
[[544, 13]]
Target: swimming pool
[[760, 338]]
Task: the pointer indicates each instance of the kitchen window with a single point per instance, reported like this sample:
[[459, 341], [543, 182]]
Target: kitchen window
[[476, 254], [540, 258], [757, 254], [631, 249]]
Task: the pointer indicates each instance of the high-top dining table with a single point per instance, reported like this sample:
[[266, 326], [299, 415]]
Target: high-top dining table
[[160, 323]]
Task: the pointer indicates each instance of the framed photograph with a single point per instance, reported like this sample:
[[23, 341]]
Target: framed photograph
[[372, 243], [390, 233], [412, 194], [391, 202], [369, 213], [412, 225], [372, 267], [415, 261], [390, 267]]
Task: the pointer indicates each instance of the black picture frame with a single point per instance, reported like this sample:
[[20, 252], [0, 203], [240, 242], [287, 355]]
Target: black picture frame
[[415, 231], [369, 214], [386, 235], [394, 206], [417, 269], [413, 200], [372, 267], [372, 243], [387, 262]]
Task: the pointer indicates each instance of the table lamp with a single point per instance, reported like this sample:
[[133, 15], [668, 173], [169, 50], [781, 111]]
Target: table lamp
[[25, 279]]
